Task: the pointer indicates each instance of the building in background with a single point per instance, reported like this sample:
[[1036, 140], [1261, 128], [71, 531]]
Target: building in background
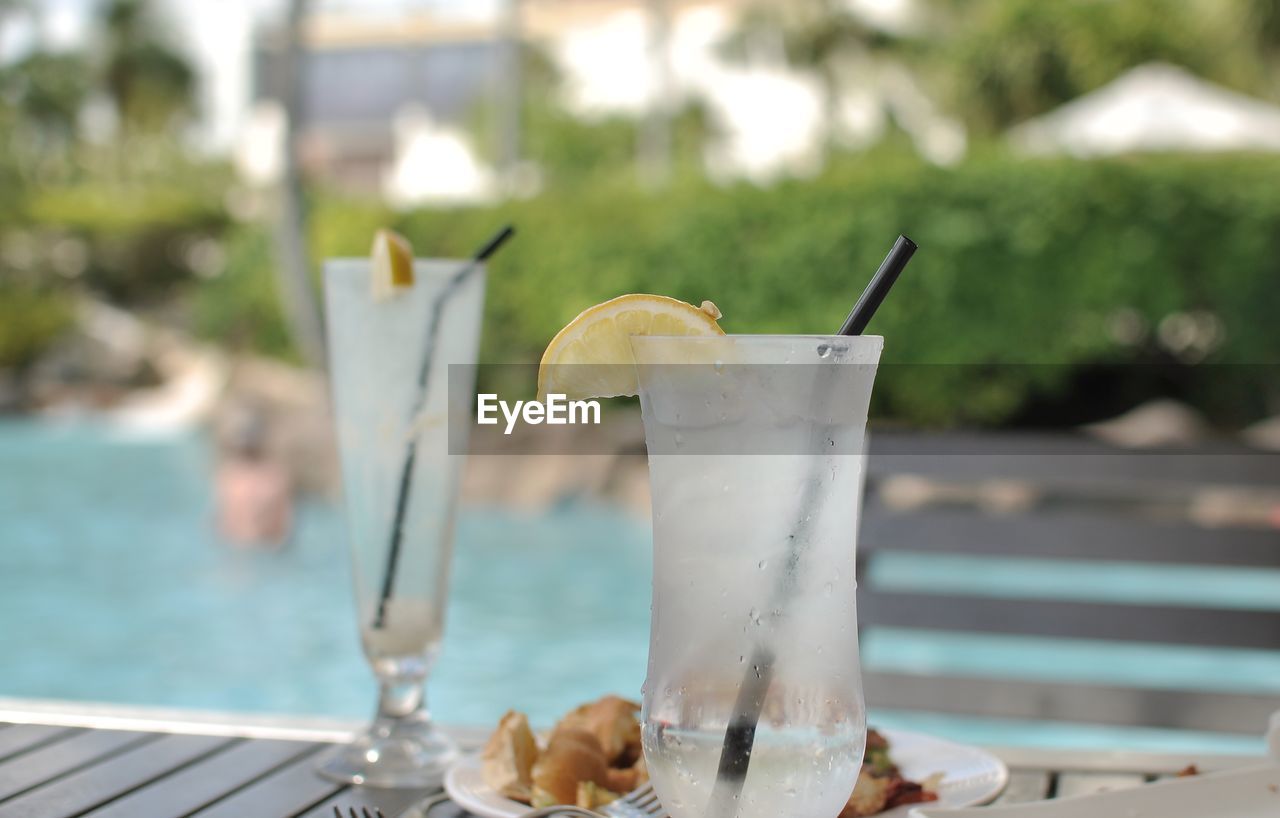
[[387, 99], [372, 88]]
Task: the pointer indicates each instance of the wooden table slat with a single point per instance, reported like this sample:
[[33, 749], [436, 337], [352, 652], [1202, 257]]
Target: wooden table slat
[[289, 790], [1051, 700], [46, 763], [76, 792], [201, 784], [84, 772], [1071, 783], [19, 738], [1025, 786], [1041, 617]]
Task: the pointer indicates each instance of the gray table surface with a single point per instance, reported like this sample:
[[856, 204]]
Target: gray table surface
[[61, 760]]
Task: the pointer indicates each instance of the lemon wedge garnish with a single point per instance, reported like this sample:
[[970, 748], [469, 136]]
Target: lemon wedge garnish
[[392, 258], [601, 335]]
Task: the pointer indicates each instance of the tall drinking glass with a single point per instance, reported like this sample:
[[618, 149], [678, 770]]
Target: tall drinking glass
[[393, 441], [753, 703]]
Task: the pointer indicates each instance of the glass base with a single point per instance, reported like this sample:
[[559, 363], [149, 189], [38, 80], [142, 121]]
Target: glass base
[[398, 754]]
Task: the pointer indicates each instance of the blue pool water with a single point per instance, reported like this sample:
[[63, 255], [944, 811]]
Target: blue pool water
[[114, 587]]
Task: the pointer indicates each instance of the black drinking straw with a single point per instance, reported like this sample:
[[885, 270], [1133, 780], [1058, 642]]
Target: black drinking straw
[[875, 292], [411, 448], [740, 734]]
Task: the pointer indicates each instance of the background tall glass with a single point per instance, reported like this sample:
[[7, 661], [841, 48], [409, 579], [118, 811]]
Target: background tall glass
[[756, 468], [376, 351]]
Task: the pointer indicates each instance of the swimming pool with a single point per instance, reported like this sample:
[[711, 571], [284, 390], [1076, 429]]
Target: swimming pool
[[114, 587]]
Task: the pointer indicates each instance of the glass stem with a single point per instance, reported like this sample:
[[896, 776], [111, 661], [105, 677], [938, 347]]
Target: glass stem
[[401, 698]]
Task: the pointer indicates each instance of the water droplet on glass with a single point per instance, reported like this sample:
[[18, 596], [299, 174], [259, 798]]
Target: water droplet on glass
[[762, 564], [755, 616], [756, 668], [718, 366], [741, 658], [679, 438], [828, 588], [824, 350]]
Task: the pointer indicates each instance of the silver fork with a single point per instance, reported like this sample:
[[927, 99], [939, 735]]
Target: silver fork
[[642, 802]]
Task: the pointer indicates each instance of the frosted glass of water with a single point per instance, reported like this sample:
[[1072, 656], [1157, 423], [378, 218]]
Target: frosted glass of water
[[756, 462], [376, 353]]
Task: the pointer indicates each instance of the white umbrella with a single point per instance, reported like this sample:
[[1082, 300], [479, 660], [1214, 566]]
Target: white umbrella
[[1154, 107]]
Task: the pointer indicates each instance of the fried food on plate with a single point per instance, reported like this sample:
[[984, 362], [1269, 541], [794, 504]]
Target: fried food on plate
[[572, 756], [881, 785], [612, 720], [593, 755], [592, 796], [626, 779], [508, 758]]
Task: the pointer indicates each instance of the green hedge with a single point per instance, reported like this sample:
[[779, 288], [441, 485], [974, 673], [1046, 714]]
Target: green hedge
[[31, 318], [136, 233], [1021, 262], [127, 242]]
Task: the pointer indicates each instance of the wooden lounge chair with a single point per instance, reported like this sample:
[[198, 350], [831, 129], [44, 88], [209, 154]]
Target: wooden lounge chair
[[1046, 585]]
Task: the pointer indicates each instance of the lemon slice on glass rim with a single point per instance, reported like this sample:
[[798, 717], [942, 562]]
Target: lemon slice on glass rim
[[600, 337], [391, 270]]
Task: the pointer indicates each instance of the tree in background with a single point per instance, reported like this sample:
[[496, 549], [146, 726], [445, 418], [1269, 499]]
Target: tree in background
[[150, 83], [9, 10], [1262, 18], [100, 215], [47, 92], [824, 37], [995, 63], [999, 62], [569, 149], [41, 94]]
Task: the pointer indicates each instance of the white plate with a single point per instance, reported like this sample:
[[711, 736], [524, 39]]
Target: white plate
[[971, 776], [1248, 793]]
